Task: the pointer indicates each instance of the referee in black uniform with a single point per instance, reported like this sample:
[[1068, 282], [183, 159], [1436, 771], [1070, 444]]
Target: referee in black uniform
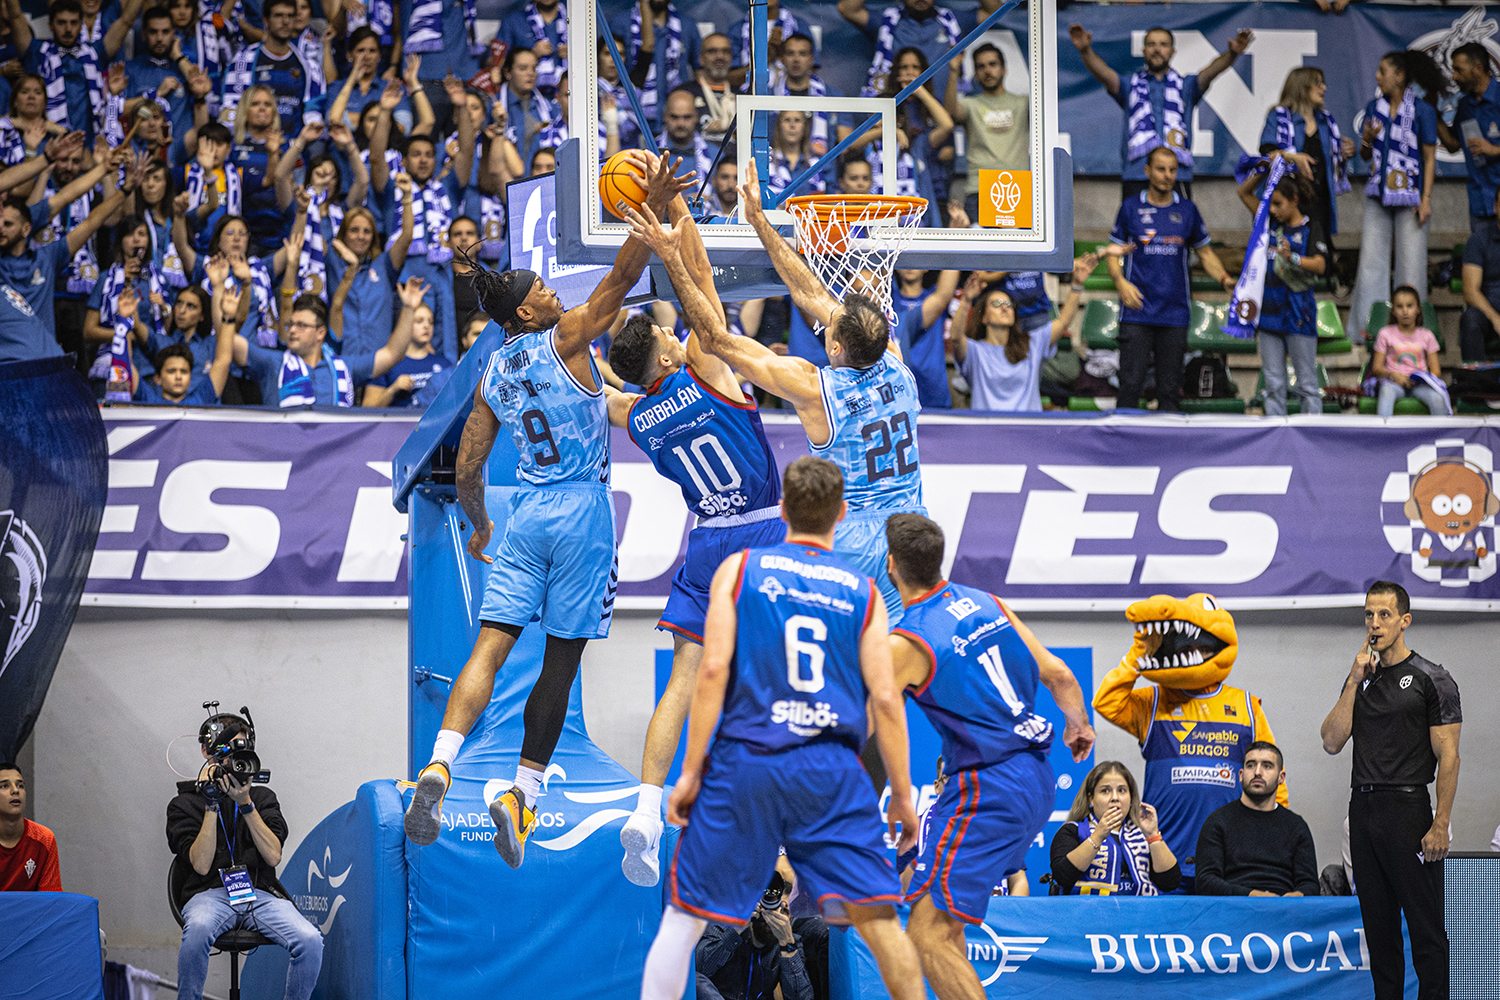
[[1404, 715]]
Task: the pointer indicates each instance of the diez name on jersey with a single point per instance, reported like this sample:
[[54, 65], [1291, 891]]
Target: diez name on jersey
[[802, 718]]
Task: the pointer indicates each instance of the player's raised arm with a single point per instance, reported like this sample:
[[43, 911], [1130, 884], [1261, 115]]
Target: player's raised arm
[[706, 365], [808, 293], [888, 713], [619, 404], [582, 326], [474, 447], [720, 631], [1066, 691]]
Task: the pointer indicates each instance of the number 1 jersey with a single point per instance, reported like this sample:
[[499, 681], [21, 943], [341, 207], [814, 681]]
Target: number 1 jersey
[[560, 427], [796, 676], [872, 423]]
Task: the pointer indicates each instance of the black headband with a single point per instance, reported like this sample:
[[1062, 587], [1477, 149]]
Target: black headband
[[509, 292]]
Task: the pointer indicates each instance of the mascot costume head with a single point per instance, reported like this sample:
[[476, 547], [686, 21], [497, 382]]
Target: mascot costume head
[[1184, 643]]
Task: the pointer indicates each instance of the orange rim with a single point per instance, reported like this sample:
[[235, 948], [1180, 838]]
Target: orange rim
[[843, 207]]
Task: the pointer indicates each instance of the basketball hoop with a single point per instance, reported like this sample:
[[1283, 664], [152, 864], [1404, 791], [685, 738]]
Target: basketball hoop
[[847, 237]]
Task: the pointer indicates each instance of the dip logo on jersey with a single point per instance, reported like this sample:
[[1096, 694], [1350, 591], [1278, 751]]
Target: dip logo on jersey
[[23, 572], [313, 906], [577, 825], [993, 955], [1439, 512]]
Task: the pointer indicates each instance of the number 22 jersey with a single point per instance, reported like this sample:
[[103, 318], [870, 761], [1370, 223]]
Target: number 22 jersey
[[872, 423]]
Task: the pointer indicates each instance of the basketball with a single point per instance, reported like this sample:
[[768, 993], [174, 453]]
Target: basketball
[[621, 182]]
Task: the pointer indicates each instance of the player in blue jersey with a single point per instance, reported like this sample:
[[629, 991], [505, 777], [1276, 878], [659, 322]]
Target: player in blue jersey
[[795, 648], [558, 556], [703, 433], [973, 668], [860, 412]]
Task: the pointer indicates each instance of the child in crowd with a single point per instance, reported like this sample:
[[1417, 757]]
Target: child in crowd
[[416, 379], [1402, 351], [175, 383]]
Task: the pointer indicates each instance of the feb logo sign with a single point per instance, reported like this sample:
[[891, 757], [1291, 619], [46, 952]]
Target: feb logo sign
[[1006, 199]]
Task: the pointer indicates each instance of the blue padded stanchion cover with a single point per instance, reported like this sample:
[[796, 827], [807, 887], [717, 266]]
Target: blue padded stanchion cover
[[49, 946]]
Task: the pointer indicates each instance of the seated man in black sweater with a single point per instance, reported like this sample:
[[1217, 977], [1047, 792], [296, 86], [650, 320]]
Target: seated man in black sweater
[[1252, 846]]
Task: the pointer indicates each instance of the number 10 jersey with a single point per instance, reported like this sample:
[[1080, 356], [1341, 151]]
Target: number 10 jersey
[[560, 427], [872, 420]]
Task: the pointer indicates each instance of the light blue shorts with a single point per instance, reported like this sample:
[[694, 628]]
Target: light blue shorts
[[860, 541], [557, 559]]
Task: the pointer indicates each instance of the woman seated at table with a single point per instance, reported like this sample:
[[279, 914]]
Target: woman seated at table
[[1110, 844]]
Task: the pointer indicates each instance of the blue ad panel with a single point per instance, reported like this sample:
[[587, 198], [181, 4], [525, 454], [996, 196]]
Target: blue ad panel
[[533, 244]]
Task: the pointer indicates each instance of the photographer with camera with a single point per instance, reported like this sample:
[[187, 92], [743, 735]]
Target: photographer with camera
[[227, 827], [771, 950]]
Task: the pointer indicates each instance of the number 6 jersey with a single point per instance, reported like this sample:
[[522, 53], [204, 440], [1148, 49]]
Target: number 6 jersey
[[795, 677], [872, 423], [560, 427]]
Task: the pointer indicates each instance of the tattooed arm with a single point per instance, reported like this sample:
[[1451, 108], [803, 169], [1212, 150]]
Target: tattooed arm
[[473, 451]]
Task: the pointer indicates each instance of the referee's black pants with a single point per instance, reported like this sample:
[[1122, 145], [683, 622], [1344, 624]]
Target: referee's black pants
[[1385, 837]]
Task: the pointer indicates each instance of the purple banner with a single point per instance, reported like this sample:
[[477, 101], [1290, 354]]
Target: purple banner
[[250, 508], [1076, 514]]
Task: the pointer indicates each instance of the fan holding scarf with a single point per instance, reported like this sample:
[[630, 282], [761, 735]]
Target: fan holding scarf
[[542, 27], [675, 45], [72, 68], [1111, 844], [1399, 141]]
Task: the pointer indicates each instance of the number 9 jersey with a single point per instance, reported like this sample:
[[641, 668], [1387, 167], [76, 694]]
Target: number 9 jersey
[[796, 675], [560, 427]]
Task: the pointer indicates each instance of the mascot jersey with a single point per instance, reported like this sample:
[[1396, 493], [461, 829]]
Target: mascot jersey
[[1193, 739]]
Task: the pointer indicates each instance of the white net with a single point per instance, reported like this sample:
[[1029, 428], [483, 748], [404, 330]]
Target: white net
[[851, 243]]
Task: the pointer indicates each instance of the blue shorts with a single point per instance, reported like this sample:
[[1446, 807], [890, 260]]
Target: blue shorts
[[815, 800], [982, 825], [558, 557], [860, 541], [707, 548]]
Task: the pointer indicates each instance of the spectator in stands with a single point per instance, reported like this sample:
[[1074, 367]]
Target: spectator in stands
[[799, 80], [771, 956], [997, 127], [189, 323], [1002, 360], [1400, 143], [177, 381], [28, 850], [211, 831], [1288, 327], [66, 57], [1110, 845], [416, 379], [442, 35], [540, 26], [919, 23], [276, 63], [153, 203], [781, 25], [369, 308], [231, 237], [612, 92], [363, 85], [154, 75], [1158, 101], [658, 27], [211, 187], [922, 339], [1481, 276], [1402, 349], [258, 148], [681, 140], [528, 114], [790, 154], [132, 269], [463, 237], [922, 126], [713, 94], [1476, 129], [1155, 295], [855, 175], [473, 326], [26, 129], [723, 195], [543, 162], [1252, 846], [304, 374], [201, 43], [1302, 127]]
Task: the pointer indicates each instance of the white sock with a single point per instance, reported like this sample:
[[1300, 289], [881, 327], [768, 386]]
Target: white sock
[[445, 748], [649, 801], [529, 781], [665, 977]]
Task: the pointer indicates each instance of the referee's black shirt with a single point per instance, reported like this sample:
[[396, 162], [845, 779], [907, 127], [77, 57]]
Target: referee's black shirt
[[1393, 710]]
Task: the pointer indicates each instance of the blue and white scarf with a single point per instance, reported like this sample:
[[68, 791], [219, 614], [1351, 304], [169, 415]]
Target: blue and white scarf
[[197, 187], [114, 360], [393, 162], [425, 31], [1244, 308], [652, 92], [789, 27], [309, 47], [538, 108], [1123, 857], [12, 143], [432, 214], [240, 76], [379, 15], [906, 170], [703, 154], [211, 45], [885, 45], [629, 131], [83, 269], [1396, 165], [294, 385], [265, 301], [1142, 125], [312, 265], [89, 34], [549, 69], [165, 251], [1288, 141], [51, 66], [782, 175], [818, 138], [491, 227]]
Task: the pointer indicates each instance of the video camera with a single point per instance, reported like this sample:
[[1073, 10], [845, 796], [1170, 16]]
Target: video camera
[[229, 741]]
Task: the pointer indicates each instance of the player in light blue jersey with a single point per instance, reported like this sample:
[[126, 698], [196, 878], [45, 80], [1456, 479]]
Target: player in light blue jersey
[[973, 668], [557, 559], [795, 648], [704, 434], [860, 412]]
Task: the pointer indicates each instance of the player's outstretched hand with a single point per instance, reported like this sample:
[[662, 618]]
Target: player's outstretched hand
[[479, 539], [646, 227], [665, 183], [750, 193], [902, 811], [684, 794], [1080, 740]]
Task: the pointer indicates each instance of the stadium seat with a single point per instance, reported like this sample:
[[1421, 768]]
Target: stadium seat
[[1101, 324], [1233, 405], [1206, 331], [1380, 315], [1406, 406], [1331, 339], [1293, 402]]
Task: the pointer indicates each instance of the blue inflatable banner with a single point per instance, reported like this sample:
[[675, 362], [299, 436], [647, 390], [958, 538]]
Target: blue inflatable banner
[[54, 476]]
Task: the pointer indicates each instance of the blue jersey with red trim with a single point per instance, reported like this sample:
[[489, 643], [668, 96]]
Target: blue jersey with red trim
[[713, 447], [796, 677], [981, 693]]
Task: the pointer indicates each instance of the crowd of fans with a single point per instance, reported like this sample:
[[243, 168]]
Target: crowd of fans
[[329, 162]]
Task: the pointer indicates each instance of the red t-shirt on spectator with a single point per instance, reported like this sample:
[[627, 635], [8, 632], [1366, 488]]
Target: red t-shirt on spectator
[[31, 865]]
